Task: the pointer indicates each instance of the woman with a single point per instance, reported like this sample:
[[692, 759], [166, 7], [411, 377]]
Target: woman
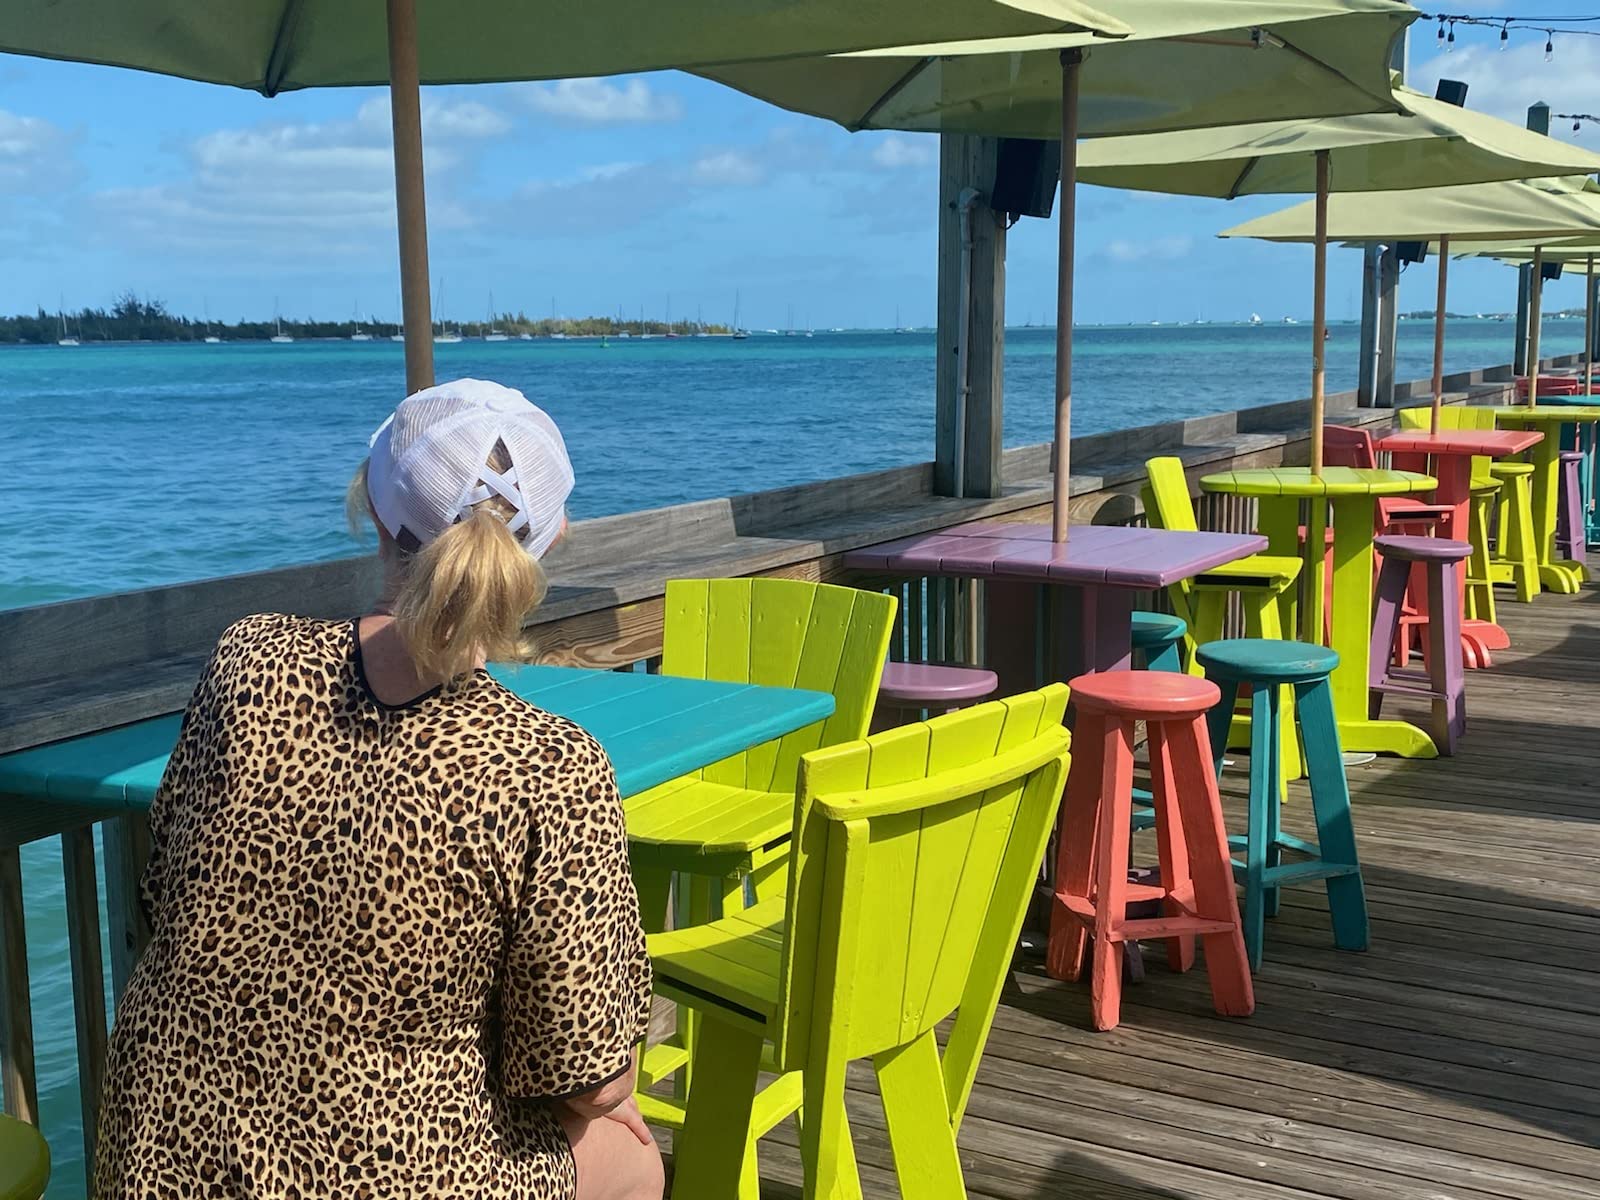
[[396, 947]]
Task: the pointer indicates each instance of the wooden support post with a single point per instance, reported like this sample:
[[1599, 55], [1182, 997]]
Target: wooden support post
[[405, 105], [1438, 334], [969, 162], [1535, 321], [1388, 326], [127, 846], [88, 977], [16, 1005], [1588, 329]]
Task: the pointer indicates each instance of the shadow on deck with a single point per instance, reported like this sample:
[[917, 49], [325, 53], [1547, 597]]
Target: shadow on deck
[[1457, 1058]]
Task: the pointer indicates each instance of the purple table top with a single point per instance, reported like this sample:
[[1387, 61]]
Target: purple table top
[[1104, 555]]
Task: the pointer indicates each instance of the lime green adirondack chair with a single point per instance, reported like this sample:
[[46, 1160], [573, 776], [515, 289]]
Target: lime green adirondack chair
[[1264, 584], [732, 819], [915, 855]]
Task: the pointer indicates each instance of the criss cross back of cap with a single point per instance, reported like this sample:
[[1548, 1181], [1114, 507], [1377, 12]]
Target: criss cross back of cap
[[507, 485]]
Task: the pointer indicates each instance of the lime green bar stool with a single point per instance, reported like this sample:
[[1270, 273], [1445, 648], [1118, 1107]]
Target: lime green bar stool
[[24, 1160], [915, 855], [1264, 584]]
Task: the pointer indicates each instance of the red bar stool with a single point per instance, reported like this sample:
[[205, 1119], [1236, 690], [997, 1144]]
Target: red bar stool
[[1195, 891], [1443, 683]]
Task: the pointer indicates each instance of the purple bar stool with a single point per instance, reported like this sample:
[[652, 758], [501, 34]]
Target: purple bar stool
[[912, 687], [1571, 521], [1443, 682]]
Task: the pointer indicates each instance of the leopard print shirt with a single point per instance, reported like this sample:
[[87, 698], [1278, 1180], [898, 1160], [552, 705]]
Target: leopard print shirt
[[385, 938]]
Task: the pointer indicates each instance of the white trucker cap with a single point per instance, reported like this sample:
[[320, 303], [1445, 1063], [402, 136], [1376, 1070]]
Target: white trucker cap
[[429, 463]]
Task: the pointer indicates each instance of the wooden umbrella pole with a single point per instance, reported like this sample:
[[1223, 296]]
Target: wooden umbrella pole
[[1319, 312], [1071, 61], [405, 106], [1588, 330], [1438, 334], [1535, 300]]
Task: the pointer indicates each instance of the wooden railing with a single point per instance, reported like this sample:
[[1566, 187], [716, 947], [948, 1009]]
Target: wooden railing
[[86, 665]]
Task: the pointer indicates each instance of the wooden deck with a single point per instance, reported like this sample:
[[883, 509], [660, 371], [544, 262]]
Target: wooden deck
[[1459, 1058]]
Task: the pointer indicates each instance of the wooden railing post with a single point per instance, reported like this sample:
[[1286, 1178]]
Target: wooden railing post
[[127, 842], [88, 977], [16, 1008]]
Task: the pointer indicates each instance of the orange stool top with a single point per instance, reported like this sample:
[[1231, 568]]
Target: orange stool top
[[1144, 694]]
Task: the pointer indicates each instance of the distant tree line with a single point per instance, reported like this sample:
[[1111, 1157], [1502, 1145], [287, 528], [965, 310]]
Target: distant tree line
[[135, 319]]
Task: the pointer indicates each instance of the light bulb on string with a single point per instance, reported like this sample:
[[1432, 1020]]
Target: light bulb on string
[[1505, 34], [1450, 42], [1441, 29], [1549, 45]]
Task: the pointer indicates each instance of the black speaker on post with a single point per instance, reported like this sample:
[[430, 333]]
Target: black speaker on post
[[1451, 91], [1025, 176], [1411, 252], [1550, 270]]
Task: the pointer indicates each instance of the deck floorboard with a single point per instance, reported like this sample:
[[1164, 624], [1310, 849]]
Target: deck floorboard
[[1458, 1058]]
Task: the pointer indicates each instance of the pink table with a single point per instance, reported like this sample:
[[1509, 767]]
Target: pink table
[[1451, 452], [1086, 583]]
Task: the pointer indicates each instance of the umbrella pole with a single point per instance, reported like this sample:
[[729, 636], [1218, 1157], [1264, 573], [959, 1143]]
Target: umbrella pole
[[1319, 312], [1588, 330], [405, 107], [1438, 334], [1071, 61], [1535, 299]]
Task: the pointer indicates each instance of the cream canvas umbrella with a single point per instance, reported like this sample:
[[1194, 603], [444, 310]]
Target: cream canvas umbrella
[[1520, 211], [1187, 64], [271, 46]]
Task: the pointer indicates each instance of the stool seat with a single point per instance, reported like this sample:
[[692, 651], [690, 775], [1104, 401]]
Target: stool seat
[[933, 685], [1239, 660], [1414, 548], [1153, 630], [24, 1160], [1502, 470], [1572, 456], [1144, 693]]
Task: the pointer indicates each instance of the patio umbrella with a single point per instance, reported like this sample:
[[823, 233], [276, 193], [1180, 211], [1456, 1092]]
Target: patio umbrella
[[272, 46], [1514, 210], [1187, 64], [1572, 251]]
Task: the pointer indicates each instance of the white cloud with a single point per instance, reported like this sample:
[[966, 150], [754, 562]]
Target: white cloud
[[1505, 83], [726, 168], [322, 188], [600, 101], [897, 151], [35, 155], [1120, 250]]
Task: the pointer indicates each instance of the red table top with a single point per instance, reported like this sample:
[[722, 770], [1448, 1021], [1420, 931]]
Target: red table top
[[1112, 555], [1490, 443]]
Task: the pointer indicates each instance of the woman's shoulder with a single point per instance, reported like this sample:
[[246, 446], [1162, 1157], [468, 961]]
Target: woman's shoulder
[[263, 638]]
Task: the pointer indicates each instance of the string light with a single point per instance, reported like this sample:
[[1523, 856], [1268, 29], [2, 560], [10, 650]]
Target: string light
[[1550, 26], [1578, 119], [1549, 45], [1505, 34]]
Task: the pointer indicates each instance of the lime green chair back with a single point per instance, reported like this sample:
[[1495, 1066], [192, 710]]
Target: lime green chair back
[[1453, 416], [24, 1161], [915, 855], [781, 633], [1166, 496]]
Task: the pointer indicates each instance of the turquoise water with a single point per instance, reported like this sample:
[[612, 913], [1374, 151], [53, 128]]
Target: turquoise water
[[129, 466]]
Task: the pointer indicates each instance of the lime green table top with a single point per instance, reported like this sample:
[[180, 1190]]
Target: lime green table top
[[1547, 413], [1334, 482]]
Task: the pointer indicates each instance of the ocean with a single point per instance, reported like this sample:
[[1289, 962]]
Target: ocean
[[131, 466]]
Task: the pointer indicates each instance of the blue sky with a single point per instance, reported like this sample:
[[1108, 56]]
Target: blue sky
[[597, 195]]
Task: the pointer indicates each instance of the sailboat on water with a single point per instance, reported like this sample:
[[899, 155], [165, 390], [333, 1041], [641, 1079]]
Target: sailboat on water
[[66, 339], [280, 337], [359, 334], [491, 334], [211, 339], [739, 331], [444, 337]]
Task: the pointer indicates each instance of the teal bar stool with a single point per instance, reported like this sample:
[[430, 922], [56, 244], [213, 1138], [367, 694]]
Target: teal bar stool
[[1265, 667], [24, 1160], [1158, 640]]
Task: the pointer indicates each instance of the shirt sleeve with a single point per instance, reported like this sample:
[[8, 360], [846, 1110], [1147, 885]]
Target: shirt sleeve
[[575, 999]]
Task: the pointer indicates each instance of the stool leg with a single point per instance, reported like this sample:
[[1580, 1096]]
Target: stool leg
[[1260, 837], [1210, 611], [1166, 658], [1232, 992], [1110, 873], [1330, 801], [1077, 833], [1524, 545], [1385, 629], [1445, 670], [1172, 849], [1267, 623], [1480, 592]]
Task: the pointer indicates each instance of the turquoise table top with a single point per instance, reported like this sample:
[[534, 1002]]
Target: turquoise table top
[[654, 727]]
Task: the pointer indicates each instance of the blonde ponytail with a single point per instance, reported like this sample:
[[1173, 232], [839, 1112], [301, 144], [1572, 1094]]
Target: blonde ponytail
[[465, 595]]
